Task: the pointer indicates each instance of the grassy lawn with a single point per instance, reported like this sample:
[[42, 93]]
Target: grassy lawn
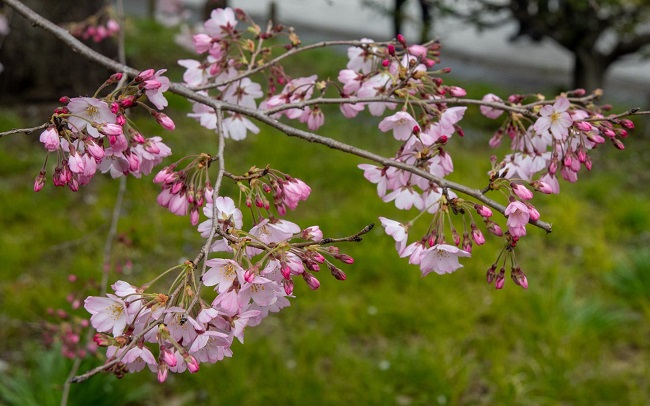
[[580, 335]]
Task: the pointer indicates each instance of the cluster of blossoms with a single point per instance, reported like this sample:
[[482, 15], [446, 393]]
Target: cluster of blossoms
[[252, 269], [554, 137], [253, 277], [91, 134], [67, 329], [558, 140], [96, 28]]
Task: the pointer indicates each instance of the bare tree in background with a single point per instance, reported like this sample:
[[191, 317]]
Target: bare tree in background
[[37, 66]]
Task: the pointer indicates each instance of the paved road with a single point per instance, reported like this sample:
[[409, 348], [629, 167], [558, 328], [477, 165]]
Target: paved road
[[520, 66]]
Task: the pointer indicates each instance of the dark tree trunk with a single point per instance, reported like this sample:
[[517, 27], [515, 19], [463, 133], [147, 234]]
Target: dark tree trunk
[[589, 70], [398, 17], [39, 67]]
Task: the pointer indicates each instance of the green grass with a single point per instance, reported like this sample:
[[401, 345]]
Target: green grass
[[577, 336]]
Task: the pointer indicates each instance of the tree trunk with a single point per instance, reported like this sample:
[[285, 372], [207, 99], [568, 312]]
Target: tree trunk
[[589, 70], [39, 67]]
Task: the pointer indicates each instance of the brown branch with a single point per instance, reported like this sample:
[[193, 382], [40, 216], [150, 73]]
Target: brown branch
[[27, 131]]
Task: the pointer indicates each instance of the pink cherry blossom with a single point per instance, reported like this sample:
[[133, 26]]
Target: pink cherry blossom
[[521, 191], [236, 127], [243, 92], [377, 85], [87, 112], [518, 216], [222, 273], [491, 112], [108, 313], [405, 198], [397, 230], [441, 259], [156, 96], [195, 74], [222, 22], [402, 124], [50, 139], [555, 119], [361, 59]]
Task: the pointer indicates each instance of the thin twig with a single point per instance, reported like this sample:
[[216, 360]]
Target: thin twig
[[27, 131]]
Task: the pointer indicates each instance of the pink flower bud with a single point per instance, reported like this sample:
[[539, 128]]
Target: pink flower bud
[[114, 78], [500, 279], [194, 216], [312, 282], [102, 340], [491, 274], [110, 129], [618, 144], [145, 75], [249, 275], [113, 27], [519, 278], [391, 49], [483, 210], [401, 39], [50, 139], [478, 237], [337, 273], [134, 162], [344, 258], [583, 126], [627, 124], [167, 356], [127, 101], [39, 182], [163, 370], [164, 120], [579, 92], [495, 229], [64, 100], [151, 84], [192, 363], [285, 270], [543, 187], [288, 286], [385, 63], [457, 91], [521, 191]]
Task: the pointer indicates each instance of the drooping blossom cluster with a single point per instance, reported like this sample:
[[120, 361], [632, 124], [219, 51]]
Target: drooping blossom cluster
[[252, 277], [557, 136], [90, 134]]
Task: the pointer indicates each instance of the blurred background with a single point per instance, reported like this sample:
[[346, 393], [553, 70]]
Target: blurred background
[[579, 335]]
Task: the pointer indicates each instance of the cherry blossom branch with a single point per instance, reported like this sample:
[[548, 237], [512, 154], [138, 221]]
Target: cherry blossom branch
[[118, 358], [262, 116], [27, 131], [356, 237], [388, 99], [291, 52]]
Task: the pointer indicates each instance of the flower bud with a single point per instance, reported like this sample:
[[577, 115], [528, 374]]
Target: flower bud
[[164, 120], [627, 124], [491, 274], [500, 279], [145, 75], [312, 282], [39, 182]]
